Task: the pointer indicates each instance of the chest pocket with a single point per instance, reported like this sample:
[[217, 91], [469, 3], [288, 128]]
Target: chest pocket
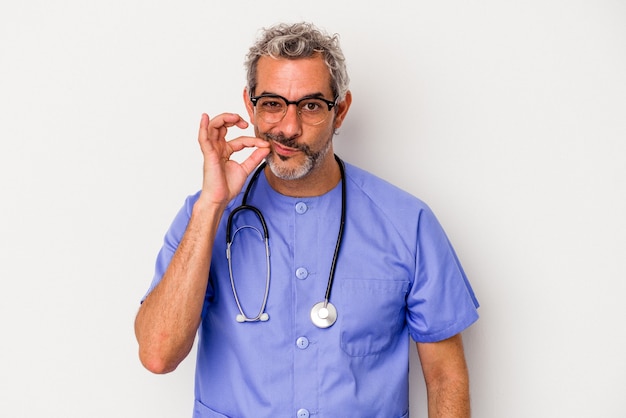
[[372, 314]]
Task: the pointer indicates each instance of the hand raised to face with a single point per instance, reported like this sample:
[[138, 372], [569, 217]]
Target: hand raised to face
[[223, 178]]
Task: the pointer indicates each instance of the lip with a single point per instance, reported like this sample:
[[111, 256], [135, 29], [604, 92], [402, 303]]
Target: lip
[[282, 150]]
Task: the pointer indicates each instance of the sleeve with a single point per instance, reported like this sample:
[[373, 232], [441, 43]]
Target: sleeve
[[171, 241], [441, 302]]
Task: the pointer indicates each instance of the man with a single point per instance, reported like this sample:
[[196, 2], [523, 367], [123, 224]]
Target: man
[[317, 321]]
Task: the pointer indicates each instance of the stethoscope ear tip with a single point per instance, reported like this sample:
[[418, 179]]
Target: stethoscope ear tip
[[242, 318]]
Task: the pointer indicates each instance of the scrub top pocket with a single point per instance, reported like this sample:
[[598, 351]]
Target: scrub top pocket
[[372, 316], [200, 410]]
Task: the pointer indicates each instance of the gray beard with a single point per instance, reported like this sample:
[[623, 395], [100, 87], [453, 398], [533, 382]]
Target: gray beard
[[311, 161]]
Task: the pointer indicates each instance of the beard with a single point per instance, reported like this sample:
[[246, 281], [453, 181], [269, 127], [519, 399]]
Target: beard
[[312, 158]]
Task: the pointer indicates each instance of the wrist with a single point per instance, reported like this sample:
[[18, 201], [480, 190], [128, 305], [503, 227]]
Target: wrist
[[207, 207]]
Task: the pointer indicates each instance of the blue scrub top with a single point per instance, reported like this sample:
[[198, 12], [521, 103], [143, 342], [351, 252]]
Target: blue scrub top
[[396, 275]]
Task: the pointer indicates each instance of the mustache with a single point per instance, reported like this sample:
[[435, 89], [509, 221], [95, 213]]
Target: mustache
[[283, 140]]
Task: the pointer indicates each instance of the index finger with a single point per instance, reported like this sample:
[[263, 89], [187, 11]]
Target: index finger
[[242, 142], [227, 120]]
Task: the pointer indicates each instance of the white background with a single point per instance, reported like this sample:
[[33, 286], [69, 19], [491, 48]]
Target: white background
[[507, 117]]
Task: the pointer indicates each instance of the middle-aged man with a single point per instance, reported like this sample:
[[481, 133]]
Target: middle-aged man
[[305, 279]]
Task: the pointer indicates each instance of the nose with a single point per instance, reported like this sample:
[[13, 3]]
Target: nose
[[291, 125]]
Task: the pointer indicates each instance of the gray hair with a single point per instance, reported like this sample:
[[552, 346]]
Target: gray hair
[[299, 40]]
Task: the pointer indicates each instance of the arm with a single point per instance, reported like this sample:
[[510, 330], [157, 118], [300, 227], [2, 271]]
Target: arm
[[446, 376], [168, 319]]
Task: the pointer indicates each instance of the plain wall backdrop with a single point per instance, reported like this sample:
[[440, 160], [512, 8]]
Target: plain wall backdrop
[[507, 117]]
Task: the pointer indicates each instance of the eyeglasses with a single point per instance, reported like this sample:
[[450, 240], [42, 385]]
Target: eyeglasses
[[272, 108]]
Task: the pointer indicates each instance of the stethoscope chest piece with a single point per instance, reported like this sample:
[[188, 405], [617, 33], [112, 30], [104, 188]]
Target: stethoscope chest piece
[[323, 314]]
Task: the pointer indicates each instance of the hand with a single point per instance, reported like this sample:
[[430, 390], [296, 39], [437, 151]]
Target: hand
[[224, 178]]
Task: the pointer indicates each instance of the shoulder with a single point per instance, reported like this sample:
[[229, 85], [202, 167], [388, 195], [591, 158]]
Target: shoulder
[[379, 192], [387, 210]]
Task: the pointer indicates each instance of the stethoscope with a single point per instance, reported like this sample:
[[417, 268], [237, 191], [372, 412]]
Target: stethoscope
[[324, 313]]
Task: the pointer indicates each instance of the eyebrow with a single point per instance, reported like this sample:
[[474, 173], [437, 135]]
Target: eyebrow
[[317, 95]]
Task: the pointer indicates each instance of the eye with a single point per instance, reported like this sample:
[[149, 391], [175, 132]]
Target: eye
[[271, 104], [311, 106]]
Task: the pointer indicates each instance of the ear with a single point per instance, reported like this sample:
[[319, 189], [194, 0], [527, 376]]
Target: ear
[[248, 104], [342, 109]]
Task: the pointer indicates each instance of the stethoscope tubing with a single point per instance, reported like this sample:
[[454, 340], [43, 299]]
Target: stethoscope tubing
[[325, 306], [262, 315], [342, 221]]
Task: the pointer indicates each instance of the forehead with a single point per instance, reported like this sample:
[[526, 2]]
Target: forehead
[[293, 78]]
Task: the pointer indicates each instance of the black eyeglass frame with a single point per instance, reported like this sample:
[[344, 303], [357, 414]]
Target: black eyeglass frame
[[329, 103]]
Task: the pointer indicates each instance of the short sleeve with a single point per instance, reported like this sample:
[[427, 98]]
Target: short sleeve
[[441, 302], [171, 241]]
